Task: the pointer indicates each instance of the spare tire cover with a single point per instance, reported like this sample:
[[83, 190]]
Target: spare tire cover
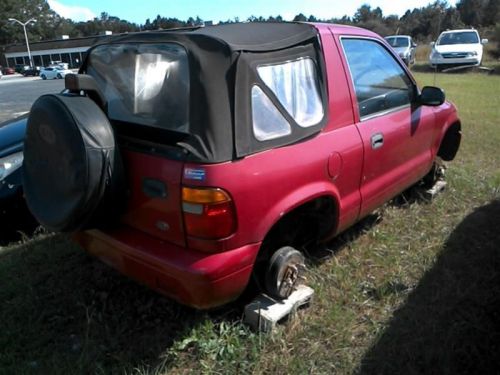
[[69, 157]]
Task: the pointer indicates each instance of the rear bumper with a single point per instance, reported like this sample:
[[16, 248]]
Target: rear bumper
[[191, 277]]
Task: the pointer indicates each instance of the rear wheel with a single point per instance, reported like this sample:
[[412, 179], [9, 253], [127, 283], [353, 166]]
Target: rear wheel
[[43, 77], [284, 272], [59, 76]]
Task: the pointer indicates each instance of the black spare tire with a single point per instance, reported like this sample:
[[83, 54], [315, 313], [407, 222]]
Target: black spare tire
[[70, 161]]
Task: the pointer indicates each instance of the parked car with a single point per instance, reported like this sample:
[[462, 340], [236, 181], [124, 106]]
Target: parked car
[[11, 158], [20, 67], [456, 48], [8, 71], [404, 47], [197, 161], [54, 72], [31, 71], [1, 74], [63, 65]]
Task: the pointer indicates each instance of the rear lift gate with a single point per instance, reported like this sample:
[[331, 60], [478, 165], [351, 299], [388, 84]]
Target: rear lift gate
[[154, 202]]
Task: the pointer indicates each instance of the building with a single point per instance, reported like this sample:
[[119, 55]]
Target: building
[[71, 51]]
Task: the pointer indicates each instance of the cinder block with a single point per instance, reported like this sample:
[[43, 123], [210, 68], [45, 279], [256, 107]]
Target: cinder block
[[435, 190], [263, 313]]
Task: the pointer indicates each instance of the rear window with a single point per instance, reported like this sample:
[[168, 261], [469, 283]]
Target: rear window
[[397, 42], [146, 84]]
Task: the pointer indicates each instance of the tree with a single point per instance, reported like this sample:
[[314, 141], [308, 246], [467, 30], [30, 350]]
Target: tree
[[365, 14], [472, 11], [371, 19], [46, 26], [491, 13], [496, 38], [300, 18]]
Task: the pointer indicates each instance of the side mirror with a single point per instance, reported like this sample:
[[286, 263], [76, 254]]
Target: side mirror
[[484, 41], [432, 96], [432, 44]]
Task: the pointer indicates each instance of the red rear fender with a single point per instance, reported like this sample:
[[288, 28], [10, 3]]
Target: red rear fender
[[294, 200]]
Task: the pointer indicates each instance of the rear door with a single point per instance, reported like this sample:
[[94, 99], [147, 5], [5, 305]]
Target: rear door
[[396, 133], [154, 204], [146, 86]]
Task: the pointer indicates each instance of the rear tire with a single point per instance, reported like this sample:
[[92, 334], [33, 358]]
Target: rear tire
[[43, 77]]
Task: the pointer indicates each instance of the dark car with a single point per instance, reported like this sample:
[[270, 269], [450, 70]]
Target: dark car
[[19, 68], [199, 160], [13, 211], [11, 157], [31, 71]]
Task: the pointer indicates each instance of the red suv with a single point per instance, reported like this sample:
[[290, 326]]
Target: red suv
[[196, 160]]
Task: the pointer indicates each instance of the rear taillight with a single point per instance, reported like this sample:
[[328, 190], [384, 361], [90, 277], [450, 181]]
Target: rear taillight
[[208, 213]]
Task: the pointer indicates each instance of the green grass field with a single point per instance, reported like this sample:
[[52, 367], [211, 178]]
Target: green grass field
[[413, 289]]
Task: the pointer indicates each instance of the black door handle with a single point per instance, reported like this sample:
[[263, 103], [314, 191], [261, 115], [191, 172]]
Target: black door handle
[[377, 140]]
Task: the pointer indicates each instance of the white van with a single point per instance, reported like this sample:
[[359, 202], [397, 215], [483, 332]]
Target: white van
[[457, 47]]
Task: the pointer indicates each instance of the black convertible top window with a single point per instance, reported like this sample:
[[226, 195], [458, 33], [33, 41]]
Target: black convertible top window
[[146, 84], [197, 95]]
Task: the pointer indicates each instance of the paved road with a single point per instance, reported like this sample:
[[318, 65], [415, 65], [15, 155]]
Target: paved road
[[18, 93]]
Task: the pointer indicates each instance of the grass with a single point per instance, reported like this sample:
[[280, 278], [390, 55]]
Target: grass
[[412, 289]]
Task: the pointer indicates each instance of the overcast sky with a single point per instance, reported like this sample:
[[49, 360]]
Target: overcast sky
[[215, 10]]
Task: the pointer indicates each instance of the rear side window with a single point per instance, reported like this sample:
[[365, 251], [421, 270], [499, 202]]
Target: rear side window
[[146, 84], [381, 84], [295, 86], [397, 42], [268, 122]]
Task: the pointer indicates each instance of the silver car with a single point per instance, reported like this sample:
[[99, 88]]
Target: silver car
[[404, 47]]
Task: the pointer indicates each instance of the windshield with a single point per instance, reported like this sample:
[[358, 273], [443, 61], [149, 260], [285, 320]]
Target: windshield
[[463, 37], [145, 84], [396, 42]]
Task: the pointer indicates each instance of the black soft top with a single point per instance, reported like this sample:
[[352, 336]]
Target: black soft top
[[259, 37], [219, 97], [252, 36]]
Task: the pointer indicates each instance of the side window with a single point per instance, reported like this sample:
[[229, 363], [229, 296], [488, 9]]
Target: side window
[[268, 122], [380, 82], [295, 85]]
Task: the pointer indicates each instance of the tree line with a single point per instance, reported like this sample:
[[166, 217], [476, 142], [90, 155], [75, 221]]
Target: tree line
[[423, 24]]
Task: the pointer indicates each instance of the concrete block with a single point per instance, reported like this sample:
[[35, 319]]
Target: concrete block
[[435, 190], [264, 312]]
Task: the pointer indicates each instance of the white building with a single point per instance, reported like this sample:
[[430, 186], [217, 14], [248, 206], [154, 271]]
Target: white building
[[71, 51]]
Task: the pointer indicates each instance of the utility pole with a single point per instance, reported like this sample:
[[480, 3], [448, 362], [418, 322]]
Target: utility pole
[[25, 35]]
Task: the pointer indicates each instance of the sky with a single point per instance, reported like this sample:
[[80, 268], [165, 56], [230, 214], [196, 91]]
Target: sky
[[221, 10]]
